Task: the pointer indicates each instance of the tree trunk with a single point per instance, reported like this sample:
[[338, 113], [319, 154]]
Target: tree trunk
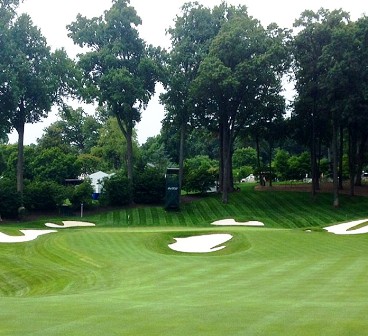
[[352, 158], [127, 131], [258, 152], [335, 164], [20, 162], [314, 169], [181, 153], [221, 157], [314, 157], [341, 152], [270, 162], [226, 163], [360, 158], [130, 155], [261, 181]]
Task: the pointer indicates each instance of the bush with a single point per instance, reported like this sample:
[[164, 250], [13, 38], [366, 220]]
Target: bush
[[116, 191], [43, 195], [10, 199], [82, 193], [200, 174], [242, 172], [149, 186]]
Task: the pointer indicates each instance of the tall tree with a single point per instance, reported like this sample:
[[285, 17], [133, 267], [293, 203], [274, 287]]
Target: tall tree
[[7, 14], [33, 80], [346, 87], [317, 83], [243, 63], [120, 71], [360, 102], [191, 37]]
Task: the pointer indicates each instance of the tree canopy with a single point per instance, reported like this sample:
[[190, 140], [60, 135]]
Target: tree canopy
[[120, 71]]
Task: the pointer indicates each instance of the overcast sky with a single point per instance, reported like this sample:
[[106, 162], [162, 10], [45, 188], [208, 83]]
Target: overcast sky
[[52, 16]]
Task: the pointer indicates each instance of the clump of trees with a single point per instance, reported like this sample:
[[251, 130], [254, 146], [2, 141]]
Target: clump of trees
[[223, 69], [226, 116]]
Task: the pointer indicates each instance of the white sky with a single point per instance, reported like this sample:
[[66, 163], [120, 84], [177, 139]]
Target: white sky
[[52, 16]]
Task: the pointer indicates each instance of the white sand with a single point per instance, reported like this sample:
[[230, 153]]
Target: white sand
[[68, 224], [232, 222], [200, 244], [343, 229], [28, 235]]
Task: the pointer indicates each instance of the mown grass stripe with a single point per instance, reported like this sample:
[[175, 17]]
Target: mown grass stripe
[[267, 281], [215, 208]]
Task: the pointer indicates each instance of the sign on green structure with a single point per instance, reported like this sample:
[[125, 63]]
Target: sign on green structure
[[172, 195]]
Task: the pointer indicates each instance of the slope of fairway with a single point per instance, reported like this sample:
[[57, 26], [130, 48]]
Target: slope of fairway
[[274, 208], [123, 279]]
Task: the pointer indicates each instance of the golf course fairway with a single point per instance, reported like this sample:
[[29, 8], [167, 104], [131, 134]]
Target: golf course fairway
[[126, 281]]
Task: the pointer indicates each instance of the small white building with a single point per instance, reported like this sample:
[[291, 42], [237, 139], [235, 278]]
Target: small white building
[[250, 178], [97, 180]]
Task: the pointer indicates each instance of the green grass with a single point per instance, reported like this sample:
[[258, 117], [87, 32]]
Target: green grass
[[275, 209], [120, 277]]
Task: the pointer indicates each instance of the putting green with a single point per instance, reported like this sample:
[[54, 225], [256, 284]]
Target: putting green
[[114, 281]]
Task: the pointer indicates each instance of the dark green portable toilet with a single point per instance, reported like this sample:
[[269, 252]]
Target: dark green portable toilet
[[172, 195]]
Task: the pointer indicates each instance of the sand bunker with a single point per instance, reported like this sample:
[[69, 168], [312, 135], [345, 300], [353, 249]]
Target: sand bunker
[[68, 224], [200, 244], [343, 229], [232, 222], [28, 235]]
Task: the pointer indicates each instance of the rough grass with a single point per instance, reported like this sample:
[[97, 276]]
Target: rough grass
[[120, 278]]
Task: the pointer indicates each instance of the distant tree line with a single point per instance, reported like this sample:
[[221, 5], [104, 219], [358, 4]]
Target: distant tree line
[[226, 116]]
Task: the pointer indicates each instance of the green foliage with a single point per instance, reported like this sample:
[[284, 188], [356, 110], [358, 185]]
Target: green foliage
[[242, 172], [281, 164], [56, 165], [293, 167], [120, 71], [82, 193], [299, 166], [149, 186], [10, 199], [2, 163], [11, 156], [200, 174], [325, 166], [153, 152], [89, 163], [117, 190], [245, 157], [75, 131], [43, 195], [111, 146], [31, 79]]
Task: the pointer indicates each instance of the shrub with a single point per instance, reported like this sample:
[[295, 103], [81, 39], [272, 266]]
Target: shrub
[[82, 193], [116, 191], [245, 157], [242, 172], [10, 199], [200, 174], [149, 186], [43, 195]]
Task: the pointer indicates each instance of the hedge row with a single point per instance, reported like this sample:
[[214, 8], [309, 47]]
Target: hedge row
[[148, 188]]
